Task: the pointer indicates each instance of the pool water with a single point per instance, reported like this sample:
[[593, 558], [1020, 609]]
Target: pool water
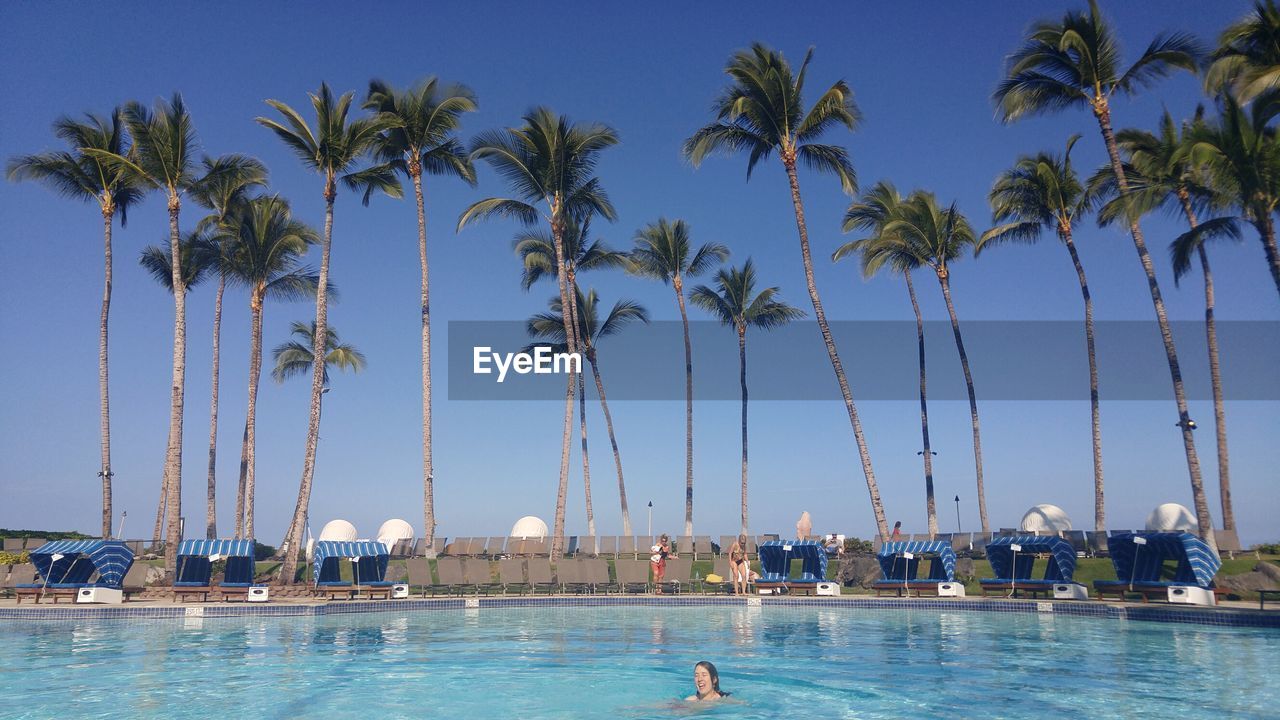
[[637, 662]]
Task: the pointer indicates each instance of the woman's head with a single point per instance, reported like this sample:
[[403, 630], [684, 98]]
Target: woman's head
[[897, 525], [663, 539], [706, 679], [742, 540]]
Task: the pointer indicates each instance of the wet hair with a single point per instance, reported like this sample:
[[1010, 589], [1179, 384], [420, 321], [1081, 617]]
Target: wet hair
[[898, 524], [664, 538], [715, 676]]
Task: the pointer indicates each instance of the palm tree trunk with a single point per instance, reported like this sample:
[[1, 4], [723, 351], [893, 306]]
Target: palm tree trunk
[[1099, 504], [688, 410], [428, 475], [571, 340], [1215, 373], [211, 504], [582, 415], [613, 441], [931, 507], [248, 461], [945, 281], [240, 482], [293, 538], [158, 530], [1103, 113], [173, 461], [105, 471], [742, 380], [1268, 234], [873, 489]]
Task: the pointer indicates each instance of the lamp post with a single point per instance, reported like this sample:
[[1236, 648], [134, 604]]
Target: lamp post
[[958, 514], [650, 519]]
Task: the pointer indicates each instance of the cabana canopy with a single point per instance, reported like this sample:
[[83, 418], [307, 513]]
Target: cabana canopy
[[1062, 564], [195, 568], [776, 557], [372, 566], [111, 558], [1142, 564], [942, 565]]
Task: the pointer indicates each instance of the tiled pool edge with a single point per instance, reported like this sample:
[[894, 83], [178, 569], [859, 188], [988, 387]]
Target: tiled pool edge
[[1223, 617]]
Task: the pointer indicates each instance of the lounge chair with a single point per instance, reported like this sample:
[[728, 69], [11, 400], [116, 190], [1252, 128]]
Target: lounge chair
[[573, 576], [631, 547], [587, 546], [1228, 542], [541, 577], [1096, 543], [449, 570], [571, 545], [478, 574], [679, 575], [684, 545], [961, 542], [633, 575], [20, 575], [35, 543], [702, 547], [721, 567], [1013, 569], [597, 572], [1078, 541], [13, 545], [1140, 568], [420, 574], [495, 547], [457, 547], [512, 573], [609, 545]]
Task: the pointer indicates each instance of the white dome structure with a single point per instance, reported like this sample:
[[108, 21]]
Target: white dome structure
[[340, 530], [529, 527], [1045, 519], [394, 530], [1172, 517]]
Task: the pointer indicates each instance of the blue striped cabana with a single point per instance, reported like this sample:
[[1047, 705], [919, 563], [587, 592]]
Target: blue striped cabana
[[776, 557], [1143, 563], [1062, 561], [942, 560], [371, 568], [111, 558], [195, 568]]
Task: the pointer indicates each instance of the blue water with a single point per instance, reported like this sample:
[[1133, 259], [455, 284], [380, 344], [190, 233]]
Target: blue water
[[637, 662]]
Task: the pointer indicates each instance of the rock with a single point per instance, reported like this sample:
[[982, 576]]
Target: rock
[[964, 569], [1246, 582], [1269, 569], [859, 570], [154, 575]]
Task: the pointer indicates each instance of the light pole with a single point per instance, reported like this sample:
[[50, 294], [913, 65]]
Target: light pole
[[651, 520], [958, 514]]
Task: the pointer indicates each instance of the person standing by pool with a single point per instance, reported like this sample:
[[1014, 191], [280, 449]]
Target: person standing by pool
[[658, 560], [738, 567], [706, 683], [897, 531]]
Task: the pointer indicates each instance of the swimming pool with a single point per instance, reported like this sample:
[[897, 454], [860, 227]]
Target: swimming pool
[[636, 662]]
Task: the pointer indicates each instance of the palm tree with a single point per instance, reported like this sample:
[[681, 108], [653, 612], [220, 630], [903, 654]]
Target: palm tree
[[536, 249], [547, 326], [664, 251], [1161, 175], [297, 357], [266, 244], [1043, 192], [935, 238], [332, 150], [198, 256], [872, 212], [229, 180], [1241, 156], [735, 302], [1247, 60], [1075, 63], [422, 140], [163, 157], [760, 112], [549, 161], [79, 175]]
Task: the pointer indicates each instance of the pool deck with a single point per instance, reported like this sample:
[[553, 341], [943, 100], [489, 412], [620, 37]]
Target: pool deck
[[1229, 613]]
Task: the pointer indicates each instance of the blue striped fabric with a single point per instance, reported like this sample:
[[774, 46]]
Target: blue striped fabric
[[111, 558], [372, 566], [225, 548], [195, 570], [942, 565], [1134, 563], [1062, 567], [775, 560]]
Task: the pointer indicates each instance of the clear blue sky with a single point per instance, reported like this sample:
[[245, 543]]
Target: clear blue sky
[[922, 75]]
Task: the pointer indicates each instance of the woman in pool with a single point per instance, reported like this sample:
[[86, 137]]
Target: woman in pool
[[739, 570], [706, 683], [658, 560]]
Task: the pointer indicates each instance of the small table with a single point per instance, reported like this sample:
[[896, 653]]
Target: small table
[[1262, 597]]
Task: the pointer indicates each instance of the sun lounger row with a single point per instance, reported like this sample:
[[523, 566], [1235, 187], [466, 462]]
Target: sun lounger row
[[459, 576]]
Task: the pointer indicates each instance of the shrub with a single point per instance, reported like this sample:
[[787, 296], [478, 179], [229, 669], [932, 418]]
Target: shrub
[[262, 551], [11, 558], [1267, 548], [857, 546]]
